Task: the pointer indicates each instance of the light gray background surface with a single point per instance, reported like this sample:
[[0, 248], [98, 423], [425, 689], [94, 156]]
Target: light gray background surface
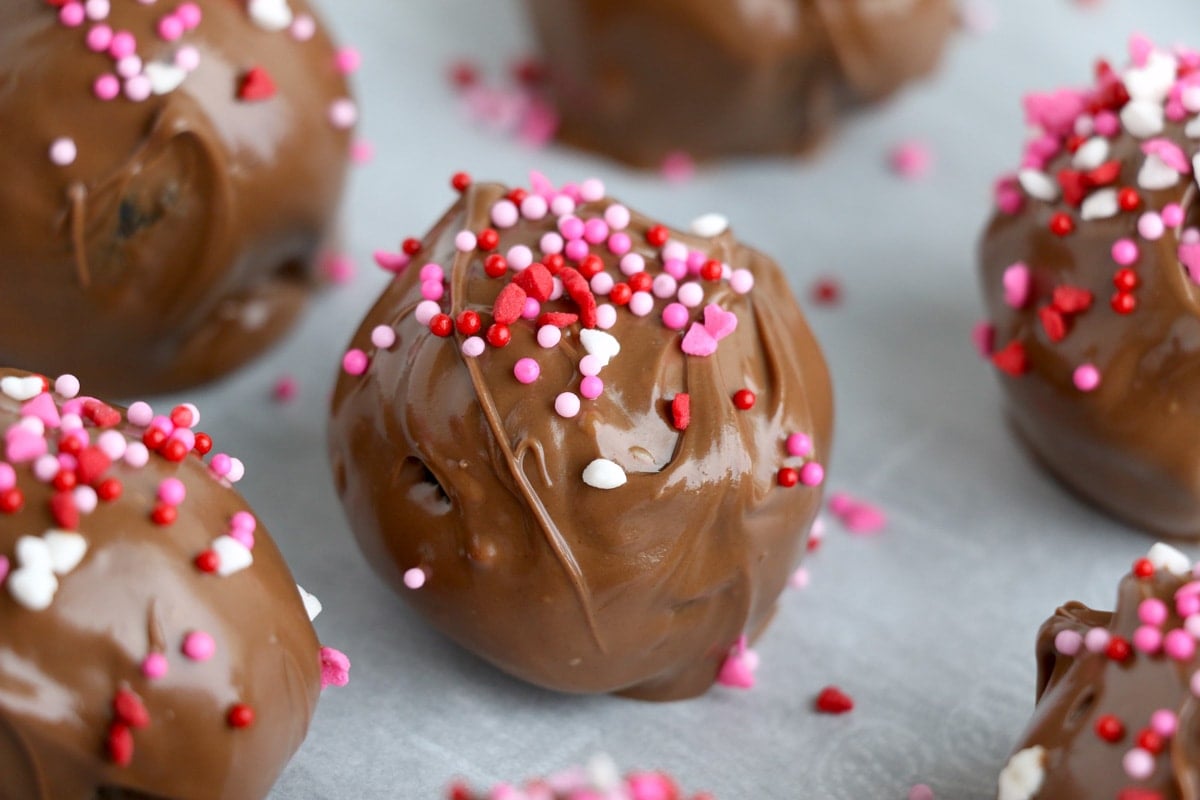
[[929, 625]]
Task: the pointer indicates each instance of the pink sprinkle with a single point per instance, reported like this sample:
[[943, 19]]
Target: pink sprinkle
[[591, 387], [347, 60], [551, 243], [813, 474], [1147, 639], [595, 231], [675, 316], [1086, 377], [395, 262], [1169, 153], [677, 268], [140, 414], [1152, 611], [465, 241], [567, 405], [602, 283], [243, 521], [285, 389], [99, 38], [664, 286], [983, 336], [123, 44], [362, 152], [911, 159], [172, 491], [432, 290], [617, 216], [1151, 226], [741, 281], [1172, 215], [576, 249], [432, 272], [338, 268], [303, 28], [4, 567], [170, 28], [800, 578], [590, 365], [154, 666], [107, 87], [414, 578], [1138, 764], [606, 316], [8, 476], [199, 646], [1068, 642], [976, 17], [591, 190], [137, 455], [855, 515], [1008, 196], [799, 445], [920, 792], [354, 362], [1125, 252], [505, 214], [691, 294], [534, 207], [72, 15], [641, 304], [698, 342], [343, 113], [1194, 683], [138, 88], [190, 14], [1164, 722], [335, 667], [632, 264], [1096, 640], [1179, 645], [383, 336], [187, 58], [129, 67], [1018, 282], [549, 336], [678, 167], [738, 669], [97, 9], [473, 346], [526, 370]]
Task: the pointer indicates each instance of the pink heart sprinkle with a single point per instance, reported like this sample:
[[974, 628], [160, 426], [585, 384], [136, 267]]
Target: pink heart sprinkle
[[718, 322], [1169, 153], [856, 515], [738, 668], [698, 341], [335, 667], [43, 408], [23, 444]]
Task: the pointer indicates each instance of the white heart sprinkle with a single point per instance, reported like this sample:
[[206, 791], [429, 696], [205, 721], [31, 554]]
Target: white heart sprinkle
[[233, 556], [1024, 774], [1142, 118], [33, 588], [1091, 153], [33, 553], [604, 474], [311, 604], [1156, 174], [1193, 129], [271, 15], [1152, 83], [66, 550], [600, 344], [1038, 185], [21, 389], [1101, 204], [164, 78], [1163, 556], [709, 225]]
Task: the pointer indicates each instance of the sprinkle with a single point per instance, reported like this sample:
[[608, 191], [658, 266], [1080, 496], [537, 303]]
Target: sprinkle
[[303, 28], [709, 225], [1096, 640], [199, 646], [741, 281], [355, 362], [63, 151], [799, 445], [604, 474], [473, 346], [1068, 642], [172, 491], [675, 316], [738, 668], [911, 159], [414, 578], [1138, 764], [526, 370], [154, 666], [591, 387], [920, 791], [383, 336], [335, 667], [744, 399], [239, 716], [678, 167], [832, 700], [1164, 722], [698, 341], [273, 15], [343, 113], [1086, 377]]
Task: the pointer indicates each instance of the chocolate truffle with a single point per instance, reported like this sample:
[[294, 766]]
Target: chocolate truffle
[[1117, 694], [583, 445], [1090, 268], [170, 173], [155, 644], [641, 80]]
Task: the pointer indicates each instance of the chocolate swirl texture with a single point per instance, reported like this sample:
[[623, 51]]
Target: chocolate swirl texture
[[1090, 270], [153, 243], [488, 488], [1117, 695], [153, 643], [642, 79]]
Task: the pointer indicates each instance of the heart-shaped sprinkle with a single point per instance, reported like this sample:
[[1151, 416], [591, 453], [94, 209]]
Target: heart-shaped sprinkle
[[1100, 205], [271, 15], [1156, 174], [21, 388], [718, 322], [92, 463], [33, 588], [128, 708], [42, 407], [312, 605], [22, 444], [832, 700], [335, 667], [1012, 359], [1192, 131], [698, 342], [737, 670], [1091, 153], [164, 78], [681, 411], [234, 556], [1142, 118], [66, 550], [1189, 256], [1152, 82], [1023, 775], [256, 85], [1038, 185], [603, 346], [1163, 556], [33, 553], [604, 474], [709, 225], [1018, 283]]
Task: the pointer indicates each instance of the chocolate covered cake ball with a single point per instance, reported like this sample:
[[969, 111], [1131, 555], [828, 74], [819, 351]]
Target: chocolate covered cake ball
[[584, 445], [1117, 694], [1090, 271], [171, 171], [642, 80], [153, 643]]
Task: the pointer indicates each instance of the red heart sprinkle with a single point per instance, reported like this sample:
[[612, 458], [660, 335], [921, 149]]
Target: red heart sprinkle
[[559, 319], [256, 85], [92, 464], [1012, 359], [1054, 323], [509, 304], [833, 700], [120, 744], [64, 510], [537, 282], [129, 709], [681, 411], [1072, 299]]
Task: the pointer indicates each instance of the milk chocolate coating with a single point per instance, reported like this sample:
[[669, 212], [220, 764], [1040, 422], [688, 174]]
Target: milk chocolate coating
[[1074, 692], [641, 79], [1126, 446], [137, 592], [448, 464], [181, 242]]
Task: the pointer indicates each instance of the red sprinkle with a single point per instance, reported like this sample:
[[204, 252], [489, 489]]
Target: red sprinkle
[[1110, 728], [102, 414], [109, 489], [64, 510], [240, 716], [256, 85], [641, 282], [1012, 359], [1143, 568], [558, 319], [203, 443], [1118, 649], [411, 246], [154, 438], [555, 263], [91, 464], [1072, 299], [208, 561], [499, 335], [1053, 322], [164, 514], [744, 399], [591, 266], [509, 304], [128, 708], [1139, 794], [788, 477], [657, 235], [487, 239], [174, 450], [1126, 279], [1150, 740], [11, 501], [537, 281], [711, 271], [495, 265], [460, 181], [468, 323], [1128, 199], [1061, 224], [120, 744], [621, 294], [681, 411], [577, 289], [833, 700], [1123, 303], [64, 480]]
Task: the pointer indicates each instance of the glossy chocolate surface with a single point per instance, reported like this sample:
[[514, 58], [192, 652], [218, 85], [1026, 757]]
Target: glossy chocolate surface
[[449, 465], [182, 240], [1126, 444], [643, 79], [138, 592]]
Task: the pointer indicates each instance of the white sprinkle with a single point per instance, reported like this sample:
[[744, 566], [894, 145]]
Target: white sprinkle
[[67, 386], [1023, 775], [312, 606], [603, 346], [604, 474], [65, 549], [21, 388], [232, 555], [1193, 129], [473, 346], [63, 151], [1156, 174], [34, 589], [34, 553], [1100, 204], [567, 405], [1038, 185], [709, 225], [414, 578], [271, 15], [1152, 82], [1142, 118], [1163, 556], [164, 78], [1091, 153]]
